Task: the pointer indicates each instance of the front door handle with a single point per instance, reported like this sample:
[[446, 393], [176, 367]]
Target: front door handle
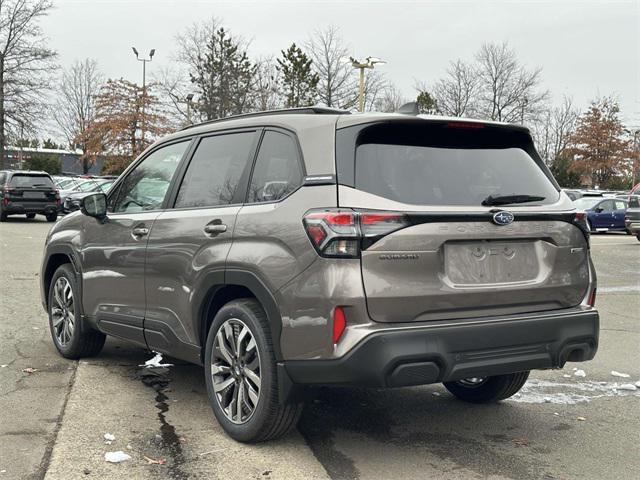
[[140, 231], [215, 228]]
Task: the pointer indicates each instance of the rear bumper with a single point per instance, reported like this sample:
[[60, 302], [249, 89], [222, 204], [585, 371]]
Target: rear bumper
[[633, 225], [30, 207], [452, 351]]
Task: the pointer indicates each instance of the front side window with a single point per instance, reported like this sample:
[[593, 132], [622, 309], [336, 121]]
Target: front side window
[[277, 172], [145, 187], [606, 206], [215, 170]]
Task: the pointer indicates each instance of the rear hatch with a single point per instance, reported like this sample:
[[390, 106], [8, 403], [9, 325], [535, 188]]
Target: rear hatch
[[31, 188], [441, 246]]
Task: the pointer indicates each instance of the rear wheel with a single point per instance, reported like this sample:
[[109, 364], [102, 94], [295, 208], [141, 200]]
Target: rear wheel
[[487, 389], [3, 215], [241, 375], [72, 338], [638, 237], [52, 217], [31, 215]]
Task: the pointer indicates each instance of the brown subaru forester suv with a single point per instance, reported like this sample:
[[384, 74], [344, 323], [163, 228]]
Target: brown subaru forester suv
[[314, 246]]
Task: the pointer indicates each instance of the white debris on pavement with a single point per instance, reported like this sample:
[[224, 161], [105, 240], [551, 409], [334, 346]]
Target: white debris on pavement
[[637, 384], [156, 361], [116, 457], [108, 438], [618, 374], [579, 373], [628, 386], [543, 391]]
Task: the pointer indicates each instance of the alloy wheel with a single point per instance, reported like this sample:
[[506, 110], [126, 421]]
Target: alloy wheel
[[235, 370], [63, 316]]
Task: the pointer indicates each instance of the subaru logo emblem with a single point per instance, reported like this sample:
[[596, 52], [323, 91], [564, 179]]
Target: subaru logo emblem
[[503, 218]]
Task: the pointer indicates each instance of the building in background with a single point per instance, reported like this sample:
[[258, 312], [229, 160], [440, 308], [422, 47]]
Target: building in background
[[49, 159]]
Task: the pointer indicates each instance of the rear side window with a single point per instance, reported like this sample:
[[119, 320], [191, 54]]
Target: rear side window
[[277, 172], [215, 170], [440, 165], [28, 181], [620, 205]]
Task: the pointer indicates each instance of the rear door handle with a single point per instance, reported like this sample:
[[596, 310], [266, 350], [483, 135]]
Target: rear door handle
[[215, 228], [140, 231]]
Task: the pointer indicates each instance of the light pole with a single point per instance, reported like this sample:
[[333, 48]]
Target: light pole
[[189, 100], [368, 63], [144, 84], [636, 154]]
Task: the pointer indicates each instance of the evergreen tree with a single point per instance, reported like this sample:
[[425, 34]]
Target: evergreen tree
[[299, 82], [223, 75], [427, 103]]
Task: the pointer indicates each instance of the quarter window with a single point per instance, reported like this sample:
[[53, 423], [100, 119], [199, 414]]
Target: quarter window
[[277, 172], [145, 187], [215, 170]]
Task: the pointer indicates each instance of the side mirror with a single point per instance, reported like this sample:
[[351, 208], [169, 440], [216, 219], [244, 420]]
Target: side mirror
[[599, 210], [94, 205]]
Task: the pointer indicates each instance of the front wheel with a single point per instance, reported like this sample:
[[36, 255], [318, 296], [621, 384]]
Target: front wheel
[[638, 237], [52, 217], [72, 338], [241, 375], [487, 389], [31, 215]]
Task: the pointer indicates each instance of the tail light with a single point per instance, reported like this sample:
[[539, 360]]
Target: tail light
[[580, 219], [339, 323], [57, 196], [343, 233]]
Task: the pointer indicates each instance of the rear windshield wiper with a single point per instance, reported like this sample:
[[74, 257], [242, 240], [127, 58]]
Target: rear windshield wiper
[[507, 199]]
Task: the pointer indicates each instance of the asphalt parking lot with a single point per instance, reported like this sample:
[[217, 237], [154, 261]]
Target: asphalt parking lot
[[562, 426]]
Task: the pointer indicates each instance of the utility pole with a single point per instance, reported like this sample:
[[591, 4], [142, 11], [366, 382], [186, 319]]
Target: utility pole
[[144, 86], [21, 144], [369, 62], [189, 100]]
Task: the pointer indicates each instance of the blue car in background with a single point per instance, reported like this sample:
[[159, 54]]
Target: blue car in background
[[603, 213]]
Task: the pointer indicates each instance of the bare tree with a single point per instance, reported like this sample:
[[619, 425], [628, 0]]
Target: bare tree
[[75, 107], [508, 91], [266, 86], [390, 99], [24, 63], [375, 87], [172, 87], [456, 92], [553, 130], [337, 86]]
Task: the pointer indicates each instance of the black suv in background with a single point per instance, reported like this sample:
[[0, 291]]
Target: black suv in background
[[28, 193]]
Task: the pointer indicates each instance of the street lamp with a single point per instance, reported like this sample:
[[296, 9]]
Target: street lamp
[[144, 82], [635, 133], [368, 63], [189, 100]]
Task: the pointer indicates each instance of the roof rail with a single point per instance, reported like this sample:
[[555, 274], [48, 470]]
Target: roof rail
[[282, 111]]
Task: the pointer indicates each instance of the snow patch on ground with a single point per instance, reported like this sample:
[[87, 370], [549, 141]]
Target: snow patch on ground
[[544, 391], [156, 361]]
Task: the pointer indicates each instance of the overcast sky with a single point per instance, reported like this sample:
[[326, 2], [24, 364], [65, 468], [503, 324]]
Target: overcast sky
[[585, 48]]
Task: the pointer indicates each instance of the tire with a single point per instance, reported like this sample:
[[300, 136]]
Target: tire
[[269, 419], [638, 237], [31, 215], [488, 390], [52, 217], [71, 336], [3, 215]]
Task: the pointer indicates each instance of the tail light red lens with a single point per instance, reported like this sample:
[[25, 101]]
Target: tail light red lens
[[342, 233], [339, 324]]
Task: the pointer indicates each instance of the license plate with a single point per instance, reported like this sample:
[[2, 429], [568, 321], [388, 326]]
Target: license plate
[[33, 195], [489, 262]]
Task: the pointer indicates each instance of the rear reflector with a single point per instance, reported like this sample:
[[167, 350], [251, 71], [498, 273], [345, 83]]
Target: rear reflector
[[592, 298], [339, 324]]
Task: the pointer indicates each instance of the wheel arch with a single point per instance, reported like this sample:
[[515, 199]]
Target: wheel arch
[[221, 288], [57, 256]]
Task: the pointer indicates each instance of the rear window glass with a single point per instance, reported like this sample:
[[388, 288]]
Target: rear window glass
[[19, 181], [434, 166]]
